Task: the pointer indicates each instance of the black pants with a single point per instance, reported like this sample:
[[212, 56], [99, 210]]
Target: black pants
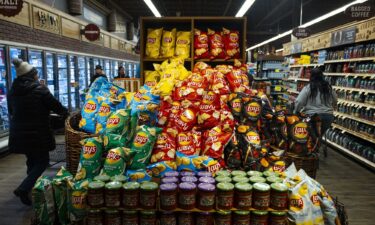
[[36, 163]]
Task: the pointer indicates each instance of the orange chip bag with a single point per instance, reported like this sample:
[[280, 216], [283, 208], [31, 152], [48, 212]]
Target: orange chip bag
[[215, 141], [168, 43], [199, 66], [188, 142], [187, 116], [231, 43], [183, 44], [216, 45], [165, 146], [234, 78], [209, 111], [201, 45], [219, 84], [153, 42]]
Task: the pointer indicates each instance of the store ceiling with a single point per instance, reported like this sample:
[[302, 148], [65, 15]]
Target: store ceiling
[[265, 19]]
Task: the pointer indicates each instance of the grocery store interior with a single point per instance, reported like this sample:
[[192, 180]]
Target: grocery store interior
[[199, 112]]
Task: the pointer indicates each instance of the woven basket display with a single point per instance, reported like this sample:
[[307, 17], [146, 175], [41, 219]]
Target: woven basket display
[[309, 164], [73, 136]]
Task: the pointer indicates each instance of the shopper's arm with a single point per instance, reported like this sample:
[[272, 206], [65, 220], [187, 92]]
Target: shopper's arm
[[301, 100], [53, 104]]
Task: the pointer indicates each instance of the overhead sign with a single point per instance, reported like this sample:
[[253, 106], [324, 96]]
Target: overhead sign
[[10, 7], [91, 32], [361, 11], [344, 36], [301, 32]]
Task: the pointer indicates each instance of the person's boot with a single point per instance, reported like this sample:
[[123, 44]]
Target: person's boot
[[23, 195]]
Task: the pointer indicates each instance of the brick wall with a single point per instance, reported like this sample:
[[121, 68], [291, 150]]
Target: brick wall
[[18, 33]]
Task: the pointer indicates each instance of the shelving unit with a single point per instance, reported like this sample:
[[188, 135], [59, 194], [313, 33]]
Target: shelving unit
[[350, 60], [355, 133], [298, 79], [354, 89], [306, 65], [360, 104], [364, 75], [344, 115]]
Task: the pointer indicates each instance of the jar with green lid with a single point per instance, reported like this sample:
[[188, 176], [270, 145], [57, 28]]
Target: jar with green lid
[[224, 173], [147, 218], [240, 179], [273, 179], [243, 196], [148, 194], [103, 178], [130, 217], [259, 217], [95, 217], [235, 173], [185, 218], [223, 217], [270, 173], [255, 173], [261, 196], [113, 194], [95, 194], [168, 218], [278, 218], [204, 218], [119, 178], [112, 217], [241, 217], [225, 194], [279, 196], [256, 179], [223, 179], [130, 195]]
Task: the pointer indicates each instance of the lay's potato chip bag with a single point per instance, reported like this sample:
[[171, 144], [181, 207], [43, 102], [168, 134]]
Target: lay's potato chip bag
[[151, 78], [107, 107], [91, 158], [43, 204], [88, 112], [168, 43], [118, 122], [160, 168], [114, 140], [60, 189], [139, 175], [183, 44], [115, 161], [153, 42], [77, 194]]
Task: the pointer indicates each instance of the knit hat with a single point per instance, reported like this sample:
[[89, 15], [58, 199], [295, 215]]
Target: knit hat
[[98, 67], [22, 68]]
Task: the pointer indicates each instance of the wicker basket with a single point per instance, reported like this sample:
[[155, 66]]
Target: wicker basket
[[309, 164], [72, 138]]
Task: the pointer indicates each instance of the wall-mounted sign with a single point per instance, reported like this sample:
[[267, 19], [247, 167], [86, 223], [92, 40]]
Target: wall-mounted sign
[[91, 32], [10, 7], [301, 32], [46, 21], [344, 36], [361, 11]]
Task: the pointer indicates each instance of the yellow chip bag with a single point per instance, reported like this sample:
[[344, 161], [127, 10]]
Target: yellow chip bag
[[183, 44], [168, 42], [153, 42], [151, 78]]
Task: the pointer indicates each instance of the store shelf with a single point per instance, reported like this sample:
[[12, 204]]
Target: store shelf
[[350, 60], [364, 75], [298, 79], [357, 134], [361, 90], [351, 154], [369, 106], [293, 91], [275, 78], [305, 65], [277, 93], [261, 78], [215, 60], [344, 115], [160, 59], [282, 98]]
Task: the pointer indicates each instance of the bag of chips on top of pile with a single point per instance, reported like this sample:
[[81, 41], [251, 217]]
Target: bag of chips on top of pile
[[219, 84], [215, 141], [60, 189], [116, 160], [118, 122], [183, 73], [165, 146], [153, 42], [231, 43], [183, 44], [216, 44], [234, 78], [107, 107], [151, 78], [109, 90], [158, 169], [200, 66], [187, 116], [201, 45], [139, 175], [43, 202], [189, 142], [192, 89], [196, 163], [88, 112], [77, 194], [209, 110], [95, 87], [168, 43], [90, 160], [147, 113]]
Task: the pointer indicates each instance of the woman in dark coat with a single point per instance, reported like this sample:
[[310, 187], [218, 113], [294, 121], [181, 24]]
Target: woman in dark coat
[[29, 105]]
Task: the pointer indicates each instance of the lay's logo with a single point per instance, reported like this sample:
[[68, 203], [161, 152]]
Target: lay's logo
[[217, 37], [181, 42], [113, 121], [151, 40], [202, 38], [151, 83], [253, 109], [113, 156], [253, 137], [140, 139], [90, 107], [300, 130], [278, 168], [233, 37], [168, 39], [183, 138], [89, 150], [315, 199], [236, 105], [104, 109], [297, 203]]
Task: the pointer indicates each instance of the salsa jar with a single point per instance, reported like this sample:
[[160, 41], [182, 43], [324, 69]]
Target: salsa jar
[[168, 196], [225, 195], [273, 179], [130, 217], [95, 217], [147, 218], [208, 180], [224, 173], [189, 179], [204, 218], [206, 196], [254, 173], [186, 196], [148, 195], [119, 178], [223, 217], [241, 217], [278, 218], [171, 174], [236, 173], [130, 195], [223, 179], [103, 178], [113, 194], [243, 196], [270, 174], [259, 217], [279, 196], [168, 218], [112, 217], [167, 180], [204, 174], [257, 179], [261, 196], [95, 194], [240, 179], [185, 218], [187, 174]]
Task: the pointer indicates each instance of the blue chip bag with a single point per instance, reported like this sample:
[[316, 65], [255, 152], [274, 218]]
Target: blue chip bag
[[110, 90], [95, 87], [158, 169], [88, 112], [138, 175], [107, 107], [195, 163]]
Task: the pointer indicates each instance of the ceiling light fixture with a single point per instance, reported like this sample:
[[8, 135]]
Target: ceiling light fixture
[[279, 50], [310, 23], [152, 7], [246, 6]]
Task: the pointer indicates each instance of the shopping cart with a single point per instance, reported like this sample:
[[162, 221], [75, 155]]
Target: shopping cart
[[58, 155]]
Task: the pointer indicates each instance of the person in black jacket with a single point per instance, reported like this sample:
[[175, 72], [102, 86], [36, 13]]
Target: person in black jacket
[[121, 73], [29, 105], [98, 73]]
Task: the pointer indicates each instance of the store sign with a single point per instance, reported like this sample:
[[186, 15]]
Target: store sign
[[47, 21], [344, 36], [10, 7], [361, 11], [91, 32], [301, 32]]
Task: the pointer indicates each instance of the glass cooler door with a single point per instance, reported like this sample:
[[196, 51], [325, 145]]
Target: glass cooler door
[[62, 71], [16, 53], [50, 68], [73, 83], [36, 60], [4, 119]]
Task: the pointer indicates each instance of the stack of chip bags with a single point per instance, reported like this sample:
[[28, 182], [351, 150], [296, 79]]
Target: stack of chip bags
[[60, 190], [77, 198], [43, 202]]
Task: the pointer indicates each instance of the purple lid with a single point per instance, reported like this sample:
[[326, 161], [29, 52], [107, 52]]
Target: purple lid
[[204, 174], [187, 173], [187, 186], [189, 179], [206, 187], [168, 187], [171, 174], [209, 180], [166, 180]]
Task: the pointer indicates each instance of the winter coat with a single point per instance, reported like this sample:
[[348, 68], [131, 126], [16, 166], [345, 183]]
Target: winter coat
[[29, 105]]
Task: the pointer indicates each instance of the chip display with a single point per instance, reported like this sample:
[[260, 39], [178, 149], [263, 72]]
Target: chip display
[[231, 43], [115, 161], [216, 44], [168, 43], [91, 158], [183, 44], [153, 42], [200, 45]]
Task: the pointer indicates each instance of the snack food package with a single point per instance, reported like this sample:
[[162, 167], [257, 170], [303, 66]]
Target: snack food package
[[88, 112], [187, 116], [143, 143], [252, 109], [209, 110], [163, 114], [231, 43], [91, 158], [195, 163], [233, 154], [236, 104], [165, 146], [43, 202], [115, 161], [114, 140], [219, 84], [200, 45], [77, 193], [234, 78], [153, 42], [158, 169], [151, 78], [147, 113], [183, 44], [106, 108], [215, 141], [168, 43], [216, 44], [95, 87], [189, 142], [118, 122], [139, 175], [60, 191], [109, 90]]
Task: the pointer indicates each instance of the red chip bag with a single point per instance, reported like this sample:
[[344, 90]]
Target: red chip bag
[[199, 66], [219, 85], [231, 43], [234, 78], [216, 45], [209, 111], [201, 45], [163, 114], [197, 140], [187, 116], [208, 73], [165, 146], [188, 142], [215, 141], [174, 111]]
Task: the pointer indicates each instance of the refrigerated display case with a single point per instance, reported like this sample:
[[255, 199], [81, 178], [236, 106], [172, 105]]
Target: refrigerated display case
[[130, 69], [16, 53], [89, 69], [73, 83], [62, 72], [36, 60], [4, 119], [50, 76], [107, 69], [114, 66]]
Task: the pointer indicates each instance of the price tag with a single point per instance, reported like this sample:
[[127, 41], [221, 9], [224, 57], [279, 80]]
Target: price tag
[[343, 132], [277, 70], [278, 88], [355, 76]]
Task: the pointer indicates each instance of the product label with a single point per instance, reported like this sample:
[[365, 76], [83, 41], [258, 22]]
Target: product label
[[300, 130], [261, 201], [223, 221], [148, 200], [244, 200], [168, 220], [253, 109], [89, 150], [168, 200], [253, 137], [185, 220], [90, 106], [279, 201], [112, 199], [129, 200], [113, 221], [207, 200], [95, 198], [113, 121], [186, 199], [258, 221], [140, 139], [225, 200], [241, 221]]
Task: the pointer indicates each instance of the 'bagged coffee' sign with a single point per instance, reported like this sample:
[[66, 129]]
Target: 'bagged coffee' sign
[[10, 7], [301, 32], [361, 11]]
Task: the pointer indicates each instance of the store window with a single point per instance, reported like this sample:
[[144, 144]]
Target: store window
[[16, 53], [4, 119]]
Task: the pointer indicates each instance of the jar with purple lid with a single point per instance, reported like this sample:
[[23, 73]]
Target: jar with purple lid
[[186, 197], [189, 179], [168, 196], [171, 174], [206, 196], [208, 180], [167, 180], [187, 174], [204, 174]]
